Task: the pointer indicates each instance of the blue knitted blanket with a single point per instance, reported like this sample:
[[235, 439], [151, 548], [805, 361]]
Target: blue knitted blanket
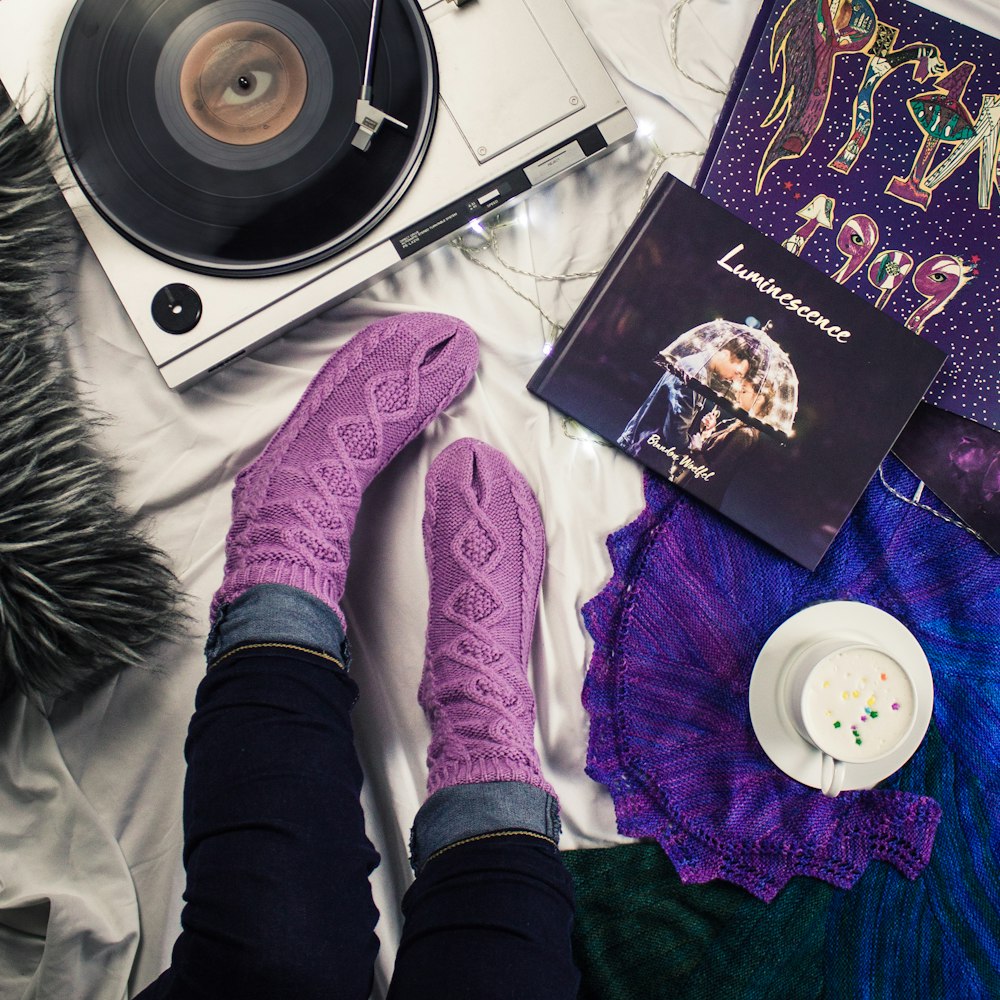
[[676, 633]]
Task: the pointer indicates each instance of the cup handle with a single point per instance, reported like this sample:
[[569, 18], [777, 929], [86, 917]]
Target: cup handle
[[832, 776]]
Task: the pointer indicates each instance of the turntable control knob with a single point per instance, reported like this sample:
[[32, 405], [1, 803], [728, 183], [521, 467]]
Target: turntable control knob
[[176, 308]]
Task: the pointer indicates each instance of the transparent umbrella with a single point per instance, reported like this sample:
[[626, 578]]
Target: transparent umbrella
[[775, 387]]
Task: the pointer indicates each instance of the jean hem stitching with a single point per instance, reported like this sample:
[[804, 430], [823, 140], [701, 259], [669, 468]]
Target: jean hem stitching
[[243, 647], [491, 836]]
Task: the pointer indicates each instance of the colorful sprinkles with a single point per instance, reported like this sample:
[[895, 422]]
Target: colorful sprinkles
[[856, 702]]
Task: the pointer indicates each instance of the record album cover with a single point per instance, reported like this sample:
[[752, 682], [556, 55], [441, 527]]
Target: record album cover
[[960, 461], [738, 371], [864, 135]]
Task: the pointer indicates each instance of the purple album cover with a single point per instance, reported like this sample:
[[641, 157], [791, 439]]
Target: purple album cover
[[738, 371], [864, 136], [960, 461]]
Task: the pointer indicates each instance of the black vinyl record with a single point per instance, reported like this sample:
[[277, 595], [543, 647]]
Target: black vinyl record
[[218, 136]]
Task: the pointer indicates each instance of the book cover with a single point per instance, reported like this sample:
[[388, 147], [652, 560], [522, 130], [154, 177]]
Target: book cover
[[738, 371], [864, 135]]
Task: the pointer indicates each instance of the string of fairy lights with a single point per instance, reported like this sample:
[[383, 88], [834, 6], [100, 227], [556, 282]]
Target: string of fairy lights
[[675, 20], [484, 237], [914, 501]]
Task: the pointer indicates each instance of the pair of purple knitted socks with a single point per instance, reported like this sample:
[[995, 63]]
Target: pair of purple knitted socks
[[294, 509]]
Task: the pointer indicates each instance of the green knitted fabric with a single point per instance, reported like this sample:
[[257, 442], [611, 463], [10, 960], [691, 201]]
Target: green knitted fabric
[[641, 934]]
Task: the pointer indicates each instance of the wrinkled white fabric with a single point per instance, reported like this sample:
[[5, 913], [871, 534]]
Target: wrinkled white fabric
[[69, 918], [122, 746]]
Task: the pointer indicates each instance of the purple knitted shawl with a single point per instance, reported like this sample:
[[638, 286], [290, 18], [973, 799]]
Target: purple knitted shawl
[[676, 632]]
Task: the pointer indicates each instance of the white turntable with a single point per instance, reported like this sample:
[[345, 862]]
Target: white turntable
[[514, 96]]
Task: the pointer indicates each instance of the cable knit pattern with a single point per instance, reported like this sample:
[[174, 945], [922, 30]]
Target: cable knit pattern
[[294, 507], [676, 633], [485, 549]]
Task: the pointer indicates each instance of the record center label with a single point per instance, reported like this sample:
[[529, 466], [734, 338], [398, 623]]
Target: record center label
[[243, 82]]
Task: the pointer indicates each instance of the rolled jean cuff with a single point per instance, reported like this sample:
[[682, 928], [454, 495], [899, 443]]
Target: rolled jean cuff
[[274, 614], [464, 812]]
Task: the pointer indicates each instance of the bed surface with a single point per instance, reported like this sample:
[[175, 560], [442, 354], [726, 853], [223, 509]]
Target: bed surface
[[106, 772]]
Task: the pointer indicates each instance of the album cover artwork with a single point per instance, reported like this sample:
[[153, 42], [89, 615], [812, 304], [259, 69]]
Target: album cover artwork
[[738, 371], [864, 135], [960, 461]]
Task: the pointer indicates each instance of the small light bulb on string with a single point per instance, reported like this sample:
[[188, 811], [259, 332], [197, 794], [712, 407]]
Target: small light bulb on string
[[644, 128]]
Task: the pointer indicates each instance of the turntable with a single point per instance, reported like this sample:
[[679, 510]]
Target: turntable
[[240, 165]]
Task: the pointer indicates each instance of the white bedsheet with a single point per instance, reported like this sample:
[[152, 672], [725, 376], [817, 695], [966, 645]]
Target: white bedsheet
[[90, 798]]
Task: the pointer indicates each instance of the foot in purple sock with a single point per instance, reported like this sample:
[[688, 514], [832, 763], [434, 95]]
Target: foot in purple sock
[[485, 549], [294, 507]]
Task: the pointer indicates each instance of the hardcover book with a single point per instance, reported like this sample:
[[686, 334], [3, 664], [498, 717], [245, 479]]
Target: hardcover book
[[737, 370], [865, 135]]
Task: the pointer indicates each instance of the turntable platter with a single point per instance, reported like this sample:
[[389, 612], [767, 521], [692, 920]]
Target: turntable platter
[[219, 136]]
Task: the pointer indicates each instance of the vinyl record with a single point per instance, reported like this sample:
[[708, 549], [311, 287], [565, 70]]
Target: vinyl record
[[218, 136]]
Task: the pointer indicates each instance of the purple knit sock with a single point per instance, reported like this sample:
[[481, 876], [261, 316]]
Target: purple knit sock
[[294, 508], [485, 548]]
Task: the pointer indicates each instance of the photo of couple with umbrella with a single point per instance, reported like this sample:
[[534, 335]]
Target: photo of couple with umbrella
[[724, 384]]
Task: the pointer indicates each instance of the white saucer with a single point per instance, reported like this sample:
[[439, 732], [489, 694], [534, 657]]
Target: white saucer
[[850, 620]]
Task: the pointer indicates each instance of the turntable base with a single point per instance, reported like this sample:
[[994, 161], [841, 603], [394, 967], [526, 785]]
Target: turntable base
[[217, 241]]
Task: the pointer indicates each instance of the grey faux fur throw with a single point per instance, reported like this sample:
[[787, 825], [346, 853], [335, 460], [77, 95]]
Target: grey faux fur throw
[[82, 592]]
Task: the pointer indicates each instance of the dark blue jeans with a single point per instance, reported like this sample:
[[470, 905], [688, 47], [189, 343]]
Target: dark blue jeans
[[278, 902]]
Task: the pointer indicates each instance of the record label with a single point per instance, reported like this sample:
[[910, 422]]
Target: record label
[[243, 82]]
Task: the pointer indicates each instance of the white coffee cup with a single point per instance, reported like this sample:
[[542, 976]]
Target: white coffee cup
[[852, 701]]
